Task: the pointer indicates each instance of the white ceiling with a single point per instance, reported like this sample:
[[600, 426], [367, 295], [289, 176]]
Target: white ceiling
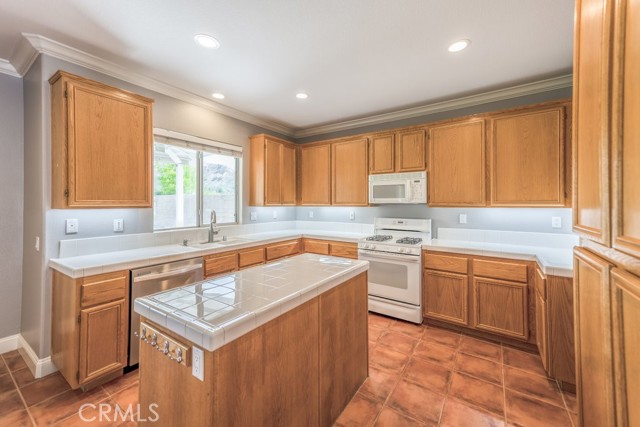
[[355, 58]]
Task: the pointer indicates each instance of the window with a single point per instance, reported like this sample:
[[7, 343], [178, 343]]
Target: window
[[191, 179]]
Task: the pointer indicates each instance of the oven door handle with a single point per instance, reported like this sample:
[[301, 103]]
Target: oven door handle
[[169, 273], [368, 255]]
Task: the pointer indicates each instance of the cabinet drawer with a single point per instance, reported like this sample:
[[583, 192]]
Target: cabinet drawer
[[218, 264], [250, 257], [281, 250], [500, 270], [446, 263], [316, 247], [346, 250], [103, 288]]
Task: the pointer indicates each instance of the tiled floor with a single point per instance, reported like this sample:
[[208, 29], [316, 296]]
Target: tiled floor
[[419, 376]]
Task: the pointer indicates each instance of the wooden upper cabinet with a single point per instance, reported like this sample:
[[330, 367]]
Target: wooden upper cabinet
[[626, 131], [411, 150], [457, 164], [315, 175], [382, 153], [101, 145], [591, 121], [272, 171], [527, 158], [349, 173]]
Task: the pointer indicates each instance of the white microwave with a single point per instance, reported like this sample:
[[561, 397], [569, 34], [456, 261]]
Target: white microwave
[[394, 188]]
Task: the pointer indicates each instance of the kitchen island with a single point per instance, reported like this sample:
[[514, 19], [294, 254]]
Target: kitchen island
[[281, 344]]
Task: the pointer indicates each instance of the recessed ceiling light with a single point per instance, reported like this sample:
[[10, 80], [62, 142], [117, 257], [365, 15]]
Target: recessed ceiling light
[[207, 41], [459, 45], [217, 95], [302, 95]]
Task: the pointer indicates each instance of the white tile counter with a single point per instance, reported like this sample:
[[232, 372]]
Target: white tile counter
[[214, 312]]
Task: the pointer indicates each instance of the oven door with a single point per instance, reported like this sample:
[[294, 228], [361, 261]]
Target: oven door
[[398, 191], [394, 276]]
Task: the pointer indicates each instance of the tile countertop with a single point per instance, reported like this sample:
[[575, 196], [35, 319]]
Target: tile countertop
[[214, 312], [88, 265], [552, 261]]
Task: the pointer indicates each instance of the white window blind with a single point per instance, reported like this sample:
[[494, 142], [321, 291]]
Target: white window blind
[[196, 143]]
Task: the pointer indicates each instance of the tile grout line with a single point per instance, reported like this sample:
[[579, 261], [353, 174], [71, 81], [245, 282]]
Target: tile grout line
[[504, 386], [15, 384]]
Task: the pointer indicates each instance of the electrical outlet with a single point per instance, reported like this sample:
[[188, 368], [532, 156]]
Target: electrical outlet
[[197, 363], [71, 226], [118, 225], [463, 218], [275, 214], [37, 244], [352, 215], [254, 216], [311, 214], [556, 222]]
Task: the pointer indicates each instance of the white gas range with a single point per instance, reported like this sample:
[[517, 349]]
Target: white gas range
[[395, 266]]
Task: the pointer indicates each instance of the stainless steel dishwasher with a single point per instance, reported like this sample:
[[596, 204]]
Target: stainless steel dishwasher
[[158, 278]]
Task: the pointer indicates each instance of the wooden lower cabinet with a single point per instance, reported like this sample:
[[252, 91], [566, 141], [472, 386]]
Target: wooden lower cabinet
[[250, 257], [283, 249], [217, 264], [328, 247], [90, 327], [345, 250], [316, 247], [541, 330], [446, 296], [501, 307]]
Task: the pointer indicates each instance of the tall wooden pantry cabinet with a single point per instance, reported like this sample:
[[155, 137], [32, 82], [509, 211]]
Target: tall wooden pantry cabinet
[[606, 205]]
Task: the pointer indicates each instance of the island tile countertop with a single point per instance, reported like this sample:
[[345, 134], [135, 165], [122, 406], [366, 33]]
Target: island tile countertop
[[215, 312]]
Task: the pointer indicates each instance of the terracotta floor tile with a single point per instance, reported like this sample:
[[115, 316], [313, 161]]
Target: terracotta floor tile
[[10, 402], [571, 401], [3, 367], [361, 411], [484, 369], [6, 383], [479, 348], [44, 389], [14, 360], [91, 417], [390, 418], [23, 377], [523, 360], [122, 382], [398, 342], [407, 328], [480, 393], [574, 419], [458, 414], [533, 385], [379, 321], [16, 419], [386, 358], [442, 336], [428, 375], [127, 397], [379, 384], [64, 405], [416, 401], [375, 333], [525, 411], [435, 353]]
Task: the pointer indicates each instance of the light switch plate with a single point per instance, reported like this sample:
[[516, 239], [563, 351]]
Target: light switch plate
[[71, 226], [311, 214], [556, 222], [463, 218], [118, 225], [254, 216], [275, 215], [352, 215], [197, 363]]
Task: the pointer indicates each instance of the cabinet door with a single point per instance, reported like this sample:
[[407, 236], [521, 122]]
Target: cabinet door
[[591, 120], [411, 151], [457, 164], [626, 130], [382, 154], [592, 299], [527, 158], [272, 172], [350, 181], [109, 147], [541, 330], [281, 250], [316, 247], [446, 296], [625, 305], [315, 175], [345, 250], [103, 340], [288, 179], [220, 263], [501, 307]]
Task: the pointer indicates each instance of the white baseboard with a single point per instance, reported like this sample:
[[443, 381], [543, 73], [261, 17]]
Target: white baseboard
[[38, 367], [9, 343]]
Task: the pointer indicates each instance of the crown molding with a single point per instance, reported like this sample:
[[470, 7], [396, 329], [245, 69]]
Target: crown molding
[[453, 104], [7, 68], [37, 44]]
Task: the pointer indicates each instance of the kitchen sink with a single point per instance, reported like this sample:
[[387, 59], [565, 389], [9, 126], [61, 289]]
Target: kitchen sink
[[220, 243]]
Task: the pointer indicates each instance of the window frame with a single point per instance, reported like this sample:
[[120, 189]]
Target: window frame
[[200, 220]]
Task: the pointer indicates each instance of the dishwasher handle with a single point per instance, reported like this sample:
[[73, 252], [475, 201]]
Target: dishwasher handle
[[170, 273]]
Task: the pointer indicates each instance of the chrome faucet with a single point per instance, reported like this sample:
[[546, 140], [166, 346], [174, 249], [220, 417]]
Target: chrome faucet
[[212, 227]]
